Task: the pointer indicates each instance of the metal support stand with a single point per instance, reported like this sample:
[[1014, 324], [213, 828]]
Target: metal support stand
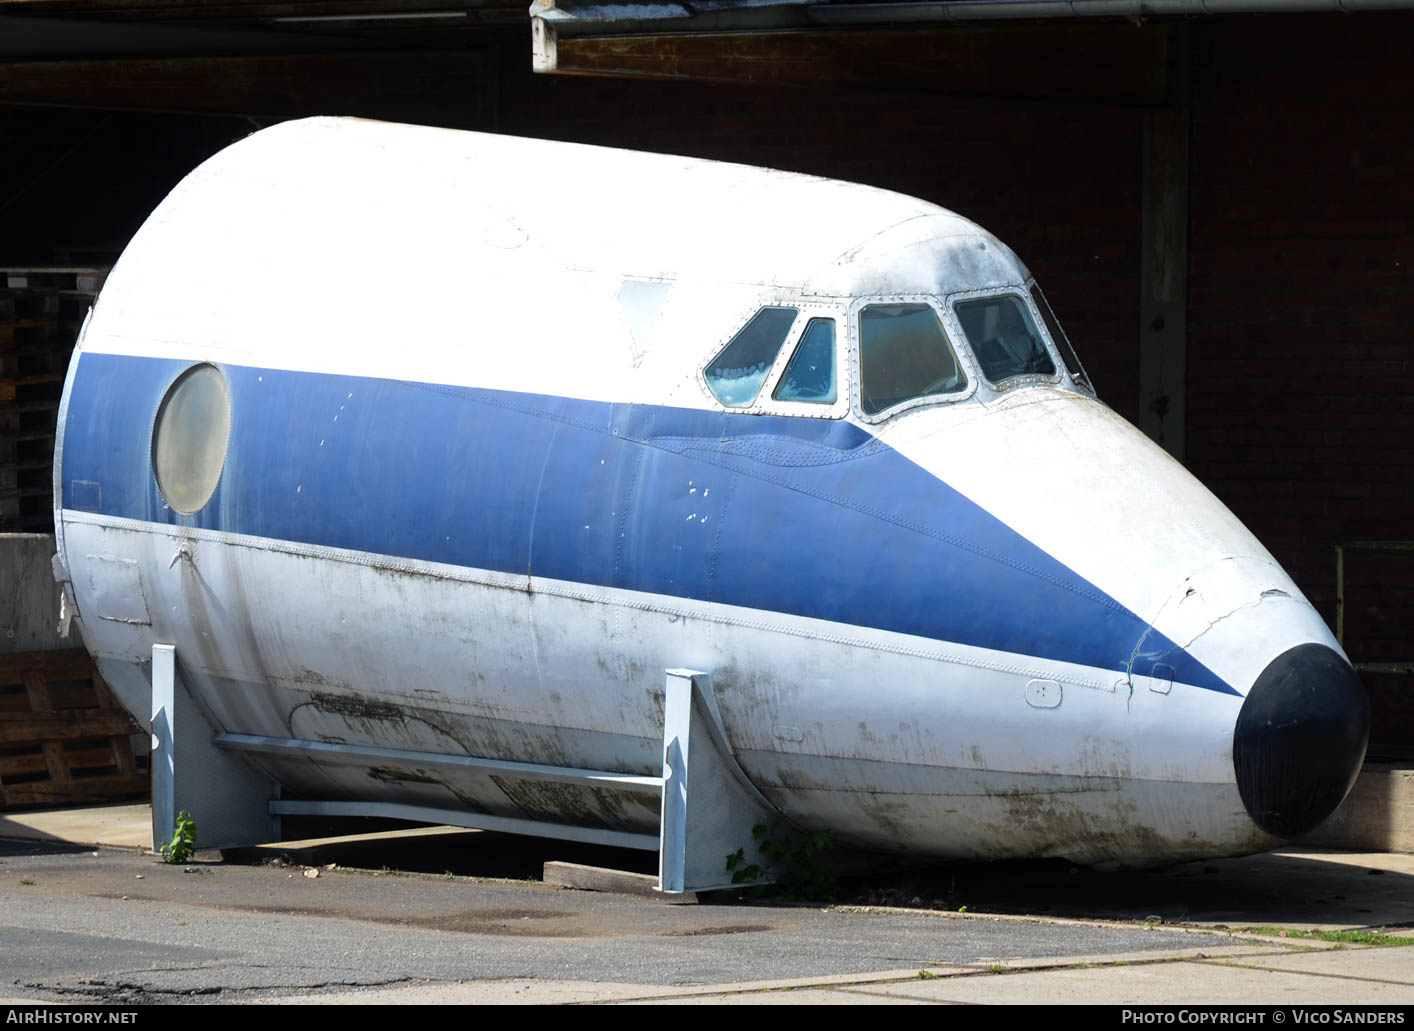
[[709, 807], [228, 800]]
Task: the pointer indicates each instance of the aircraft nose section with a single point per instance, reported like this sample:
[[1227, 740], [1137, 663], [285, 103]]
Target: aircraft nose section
[[1299, 740]]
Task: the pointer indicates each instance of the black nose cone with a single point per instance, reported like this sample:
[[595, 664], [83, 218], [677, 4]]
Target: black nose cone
[[1300, 739]]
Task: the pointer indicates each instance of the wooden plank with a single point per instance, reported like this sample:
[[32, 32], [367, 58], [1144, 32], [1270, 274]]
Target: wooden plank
[[56, 706], [69, 663], [122, 752], [121, 747], [54, 760], [90, 789], [65, 695], [57, 762], [64, 726], [37, 691], [24, 271], [23, 765], [103, 695], [96, 756], [1092, 62], [14, 701], [30, 763]]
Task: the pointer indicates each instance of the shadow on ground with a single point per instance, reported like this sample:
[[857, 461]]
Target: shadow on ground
[[1291, 888], [465, 853], [1274, 888], [13, 849]]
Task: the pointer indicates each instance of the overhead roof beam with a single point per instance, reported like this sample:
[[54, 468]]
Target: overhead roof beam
[[567, 18], [377, 85], [175, 10], [1106, 63], [1105, 51]]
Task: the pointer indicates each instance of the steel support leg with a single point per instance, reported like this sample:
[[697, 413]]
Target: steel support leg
[[709, 806], [164, 760], [226, 797]]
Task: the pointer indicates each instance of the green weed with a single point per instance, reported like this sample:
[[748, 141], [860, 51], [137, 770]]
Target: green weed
[[793, 864], [181, 846]]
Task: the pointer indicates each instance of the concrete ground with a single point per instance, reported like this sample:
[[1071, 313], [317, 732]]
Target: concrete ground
[[114, 826], [350, 922]]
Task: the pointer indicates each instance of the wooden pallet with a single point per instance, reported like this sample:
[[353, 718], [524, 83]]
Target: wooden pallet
[[41, 311], [64, 739]]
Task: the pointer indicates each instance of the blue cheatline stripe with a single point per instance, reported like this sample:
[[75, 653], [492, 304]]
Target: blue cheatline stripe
[[811, 517]]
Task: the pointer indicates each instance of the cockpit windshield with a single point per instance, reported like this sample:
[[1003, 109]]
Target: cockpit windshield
[[904, 354], [1003, 338]]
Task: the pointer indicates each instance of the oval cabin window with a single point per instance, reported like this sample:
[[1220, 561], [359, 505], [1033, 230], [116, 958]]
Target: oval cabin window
[[190, 437]]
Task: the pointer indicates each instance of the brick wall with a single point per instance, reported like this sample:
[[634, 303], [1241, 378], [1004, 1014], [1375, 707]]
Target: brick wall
[[1301, 317]]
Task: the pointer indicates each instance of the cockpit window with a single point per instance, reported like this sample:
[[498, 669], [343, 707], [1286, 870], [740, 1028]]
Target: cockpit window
[[810, 373], [904, 354], [1004, 339], [1058, 337], [736, 374]]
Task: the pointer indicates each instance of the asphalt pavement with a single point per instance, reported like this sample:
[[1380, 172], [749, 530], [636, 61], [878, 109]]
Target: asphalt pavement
[[460, 917]]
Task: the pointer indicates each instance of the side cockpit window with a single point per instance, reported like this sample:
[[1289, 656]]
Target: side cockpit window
[[1003, 338], [810, 374], [736, 374], [904, 354], [1062, 342]]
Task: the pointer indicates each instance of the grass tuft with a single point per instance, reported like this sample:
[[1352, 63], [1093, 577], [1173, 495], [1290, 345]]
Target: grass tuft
[[1355, 937]]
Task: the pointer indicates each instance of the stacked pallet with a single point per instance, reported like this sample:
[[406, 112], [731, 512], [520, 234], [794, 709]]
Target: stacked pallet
[[64, 739], [41, 312]]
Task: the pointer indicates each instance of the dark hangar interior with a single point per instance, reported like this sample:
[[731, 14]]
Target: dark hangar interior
[[1218, 201]]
